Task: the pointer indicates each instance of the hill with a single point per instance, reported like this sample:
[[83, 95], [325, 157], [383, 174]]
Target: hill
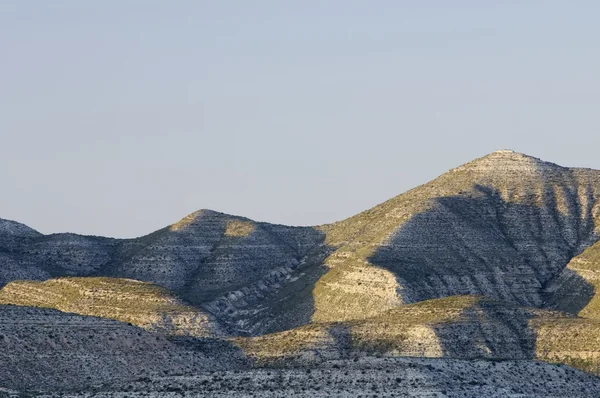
[[45, 350], [497, 259], [502, 226], [140, 303]]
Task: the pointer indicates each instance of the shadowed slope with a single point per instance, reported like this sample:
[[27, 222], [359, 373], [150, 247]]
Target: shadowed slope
[[43, 349], [503, 226], [455, 327], [230, 266], [576, 289], [208, 253], [27, 254], [237, 269]]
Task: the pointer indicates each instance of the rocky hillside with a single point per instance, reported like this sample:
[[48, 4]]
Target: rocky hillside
[[502, 226], [140, 303], [369, 377], [497, 259], [231, 266], [43, 349], [466, 327]]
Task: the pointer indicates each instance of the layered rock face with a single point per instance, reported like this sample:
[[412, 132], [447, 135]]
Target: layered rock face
[[498, 259], [209, 253], [27, 254], [229, 265], [467, 327], [501, 226], [575, 288]]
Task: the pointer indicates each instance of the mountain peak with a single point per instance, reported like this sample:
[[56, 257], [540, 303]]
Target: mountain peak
[[13, 228], [508, 160], [505, 151], [189, 219], [510, 154]]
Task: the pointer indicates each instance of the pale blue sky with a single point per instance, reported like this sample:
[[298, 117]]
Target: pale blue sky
[[120, 117]]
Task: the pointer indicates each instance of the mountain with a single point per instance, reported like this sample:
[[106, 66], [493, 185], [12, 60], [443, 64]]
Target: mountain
[[231, 266], [501, 226], [497, 259]]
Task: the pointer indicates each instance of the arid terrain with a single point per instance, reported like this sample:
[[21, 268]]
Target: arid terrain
[[481, 282]]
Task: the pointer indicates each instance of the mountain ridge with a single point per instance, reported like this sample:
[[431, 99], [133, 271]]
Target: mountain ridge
[[193, 255], [520, 233]]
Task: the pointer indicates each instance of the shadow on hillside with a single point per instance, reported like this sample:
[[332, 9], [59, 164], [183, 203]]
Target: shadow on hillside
[[568, 292], [259, 282], [253, 277], [488, 329], [226, 355], [243, 272], [276, 302], [480, 244], [342, 340]]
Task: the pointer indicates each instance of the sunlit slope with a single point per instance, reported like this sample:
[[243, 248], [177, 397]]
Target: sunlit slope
[[501, 226], [504, 226], [237, 269], [577, 288], [243, 272], [465, 327], [139, 303]]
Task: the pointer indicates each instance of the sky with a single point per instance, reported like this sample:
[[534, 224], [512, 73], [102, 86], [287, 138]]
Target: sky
[[119, 117]]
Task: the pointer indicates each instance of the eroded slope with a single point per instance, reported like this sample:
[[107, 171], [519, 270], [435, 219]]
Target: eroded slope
[[502, 226], [43, 349], [467, 327], [140, 303], [230, 266]]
